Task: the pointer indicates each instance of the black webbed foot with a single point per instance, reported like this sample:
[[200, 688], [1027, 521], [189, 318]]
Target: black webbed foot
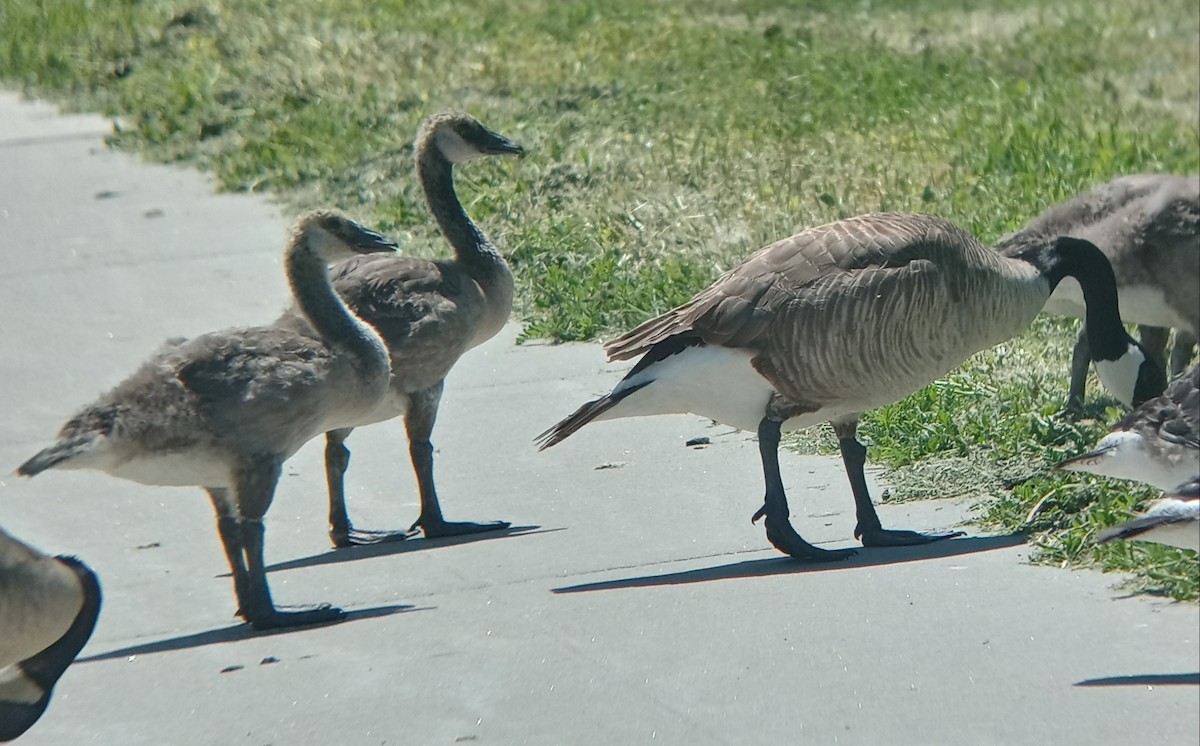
[[296, 616], [357, 537], [438, 529], [882, 537]]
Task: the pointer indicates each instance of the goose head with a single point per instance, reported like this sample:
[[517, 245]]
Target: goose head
[[334, 236], [1125, 368], [1133, 377], [461, 137]]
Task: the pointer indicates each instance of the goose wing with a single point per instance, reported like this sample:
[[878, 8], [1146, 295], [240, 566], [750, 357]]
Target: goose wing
[[811, 267]]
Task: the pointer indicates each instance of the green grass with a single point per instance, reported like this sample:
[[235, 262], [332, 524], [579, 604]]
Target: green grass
[[667, 141]]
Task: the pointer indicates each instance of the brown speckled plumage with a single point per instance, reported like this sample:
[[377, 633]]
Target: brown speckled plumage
[[224, 410], [429, 312]]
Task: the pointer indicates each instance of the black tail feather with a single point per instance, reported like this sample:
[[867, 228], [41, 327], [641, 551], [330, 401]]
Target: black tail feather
[[1133, 529], [582, 416]]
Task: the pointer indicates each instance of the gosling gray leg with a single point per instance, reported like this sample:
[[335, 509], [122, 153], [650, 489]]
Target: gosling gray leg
[[1154, 341], [229, 529], [1181, 351], [869, 529], [341, 532], [255, 490], [418, 422]]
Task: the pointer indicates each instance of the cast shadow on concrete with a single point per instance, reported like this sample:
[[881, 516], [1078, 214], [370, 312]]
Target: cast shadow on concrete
[[384, 549], [1146, 679], [781, 565], [237, 632]]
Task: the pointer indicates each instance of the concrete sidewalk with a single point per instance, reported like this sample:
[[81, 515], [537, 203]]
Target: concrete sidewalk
[[632, 602]]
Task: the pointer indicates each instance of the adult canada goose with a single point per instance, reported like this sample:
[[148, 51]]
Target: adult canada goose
[[223, 411], [1149, 228], [1158, 443], [48, 609], [429, 313], [1174, 520], [843, 318]]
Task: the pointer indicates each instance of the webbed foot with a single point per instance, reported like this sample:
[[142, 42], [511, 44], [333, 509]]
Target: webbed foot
[[296, 616], [881, 537], [438, 529]]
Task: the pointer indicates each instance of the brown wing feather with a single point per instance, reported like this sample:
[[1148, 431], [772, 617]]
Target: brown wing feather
[[739, 308]]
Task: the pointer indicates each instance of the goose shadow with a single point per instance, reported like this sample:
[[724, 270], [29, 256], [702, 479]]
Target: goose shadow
[[779, 565], [387, 548], [238, 632], [1145, 679]]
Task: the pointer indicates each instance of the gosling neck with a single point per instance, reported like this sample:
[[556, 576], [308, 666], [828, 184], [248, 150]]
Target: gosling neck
[[471, 246], [308, 276]]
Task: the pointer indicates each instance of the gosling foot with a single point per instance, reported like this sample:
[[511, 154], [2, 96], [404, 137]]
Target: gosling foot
[[296, 616], [881, 537], [438, 529], [358, 537]]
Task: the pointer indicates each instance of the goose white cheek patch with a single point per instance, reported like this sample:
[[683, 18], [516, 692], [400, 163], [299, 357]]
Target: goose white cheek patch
[[455, 148], [1120, 376]]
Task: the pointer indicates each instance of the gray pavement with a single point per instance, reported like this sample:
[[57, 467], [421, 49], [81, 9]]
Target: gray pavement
[[634, 603]]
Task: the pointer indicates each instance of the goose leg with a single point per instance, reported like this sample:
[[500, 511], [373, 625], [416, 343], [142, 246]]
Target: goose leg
[[228, 528], [1081, 360], [256, 489], [869, 529], [418, 422], [341, 532], [1154, 340], [1181, 351], [780, 532]]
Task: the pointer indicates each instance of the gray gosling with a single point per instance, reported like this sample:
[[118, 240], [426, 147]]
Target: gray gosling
[[429, 312], [223, 411]]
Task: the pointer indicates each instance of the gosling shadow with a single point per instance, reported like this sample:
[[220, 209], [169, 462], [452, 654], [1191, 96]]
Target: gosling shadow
[[384, 549], [238, 632], [780, 565]]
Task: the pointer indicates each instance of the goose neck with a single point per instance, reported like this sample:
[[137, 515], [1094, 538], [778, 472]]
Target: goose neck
[[1070, 257]]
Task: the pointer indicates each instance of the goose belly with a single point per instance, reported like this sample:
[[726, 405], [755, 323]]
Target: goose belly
[[710, 381]]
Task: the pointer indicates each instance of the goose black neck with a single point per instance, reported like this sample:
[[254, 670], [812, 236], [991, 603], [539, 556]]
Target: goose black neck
[[1080, 259], [437, 178]]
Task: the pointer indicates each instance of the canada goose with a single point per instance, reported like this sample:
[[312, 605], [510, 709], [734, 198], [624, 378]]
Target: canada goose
[[1174, 520], [843, 318], [429, 313], [1149, 228], [1158, 443], [223, 411], [48, 609]]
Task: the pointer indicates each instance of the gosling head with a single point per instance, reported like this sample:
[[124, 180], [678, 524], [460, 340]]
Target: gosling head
[[334, 236], [460, 138]]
